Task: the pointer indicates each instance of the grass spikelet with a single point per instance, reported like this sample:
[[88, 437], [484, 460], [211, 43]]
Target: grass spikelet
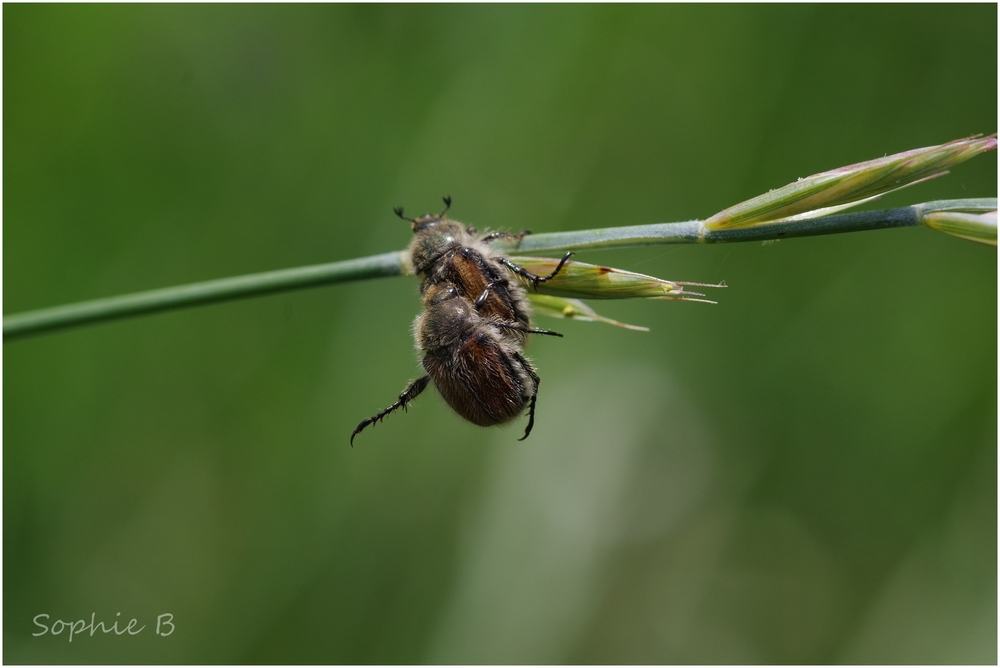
[[978, 227], [827, 192], [561, 307], [579, 279]]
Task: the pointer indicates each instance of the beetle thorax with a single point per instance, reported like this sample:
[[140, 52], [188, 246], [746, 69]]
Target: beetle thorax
[[433, 240]]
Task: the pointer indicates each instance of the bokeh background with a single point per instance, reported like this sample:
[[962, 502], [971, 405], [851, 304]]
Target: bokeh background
[[805, 472]]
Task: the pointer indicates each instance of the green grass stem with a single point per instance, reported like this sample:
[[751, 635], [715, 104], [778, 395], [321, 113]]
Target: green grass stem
[[195, 294], [391, 264]]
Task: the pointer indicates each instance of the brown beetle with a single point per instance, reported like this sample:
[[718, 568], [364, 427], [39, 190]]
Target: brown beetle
[[473, 326]]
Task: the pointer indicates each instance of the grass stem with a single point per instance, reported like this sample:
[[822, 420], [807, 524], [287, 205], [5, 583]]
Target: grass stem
[[391, 264], [194, 294]]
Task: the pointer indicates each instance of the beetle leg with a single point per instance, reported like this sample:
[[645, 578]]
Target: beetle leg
[[492, 236], [486, 293], [483, 297], [535, 279], [534, 394], [409, 394], [526, 330]]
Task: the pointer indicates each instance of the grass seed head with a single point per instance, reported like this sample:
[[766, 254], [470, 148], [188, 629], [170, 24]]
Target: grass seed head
[[579, 279], [978, 227], [561, 307], [827, 192]]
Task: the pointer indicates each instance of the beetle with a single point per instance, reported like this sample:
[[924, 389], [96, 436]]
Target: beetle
[[473, 325]]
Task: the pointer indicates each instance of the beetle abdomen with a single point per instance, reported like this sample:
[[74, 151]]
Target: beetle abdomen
[[479, 381]]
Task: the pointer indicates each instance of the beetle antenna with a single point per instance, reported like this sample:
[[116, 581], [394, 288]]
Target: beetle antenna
[[399, 212], [447, 205]]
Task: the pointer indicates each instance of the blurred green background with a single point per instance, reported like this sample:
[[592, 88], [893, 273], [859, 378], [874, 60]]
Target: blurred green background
[[805, 472]]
